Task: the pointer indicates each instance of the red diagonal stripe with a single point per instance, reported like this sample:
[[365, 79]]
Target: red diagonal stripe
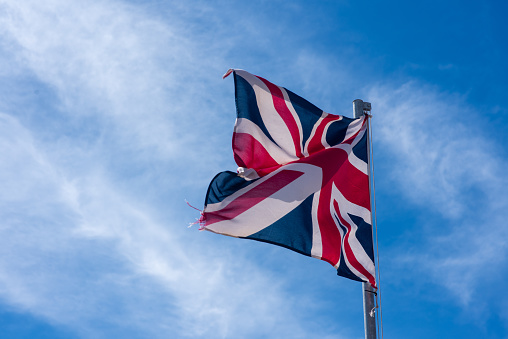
[[253, 196], [349, 252], [353, 184], [250, 153], [330, 234], [350, 140], [280, 106], [316, 144]]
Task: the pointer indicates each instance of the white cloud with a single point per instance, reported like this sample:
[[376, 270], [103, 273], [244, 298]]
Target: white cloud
[[90, 237], [81, 244], [436, 155], [77, 251]]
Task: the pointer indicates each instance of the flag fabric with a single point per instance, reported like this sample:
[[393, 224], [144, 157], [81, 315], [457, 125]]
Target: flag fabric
[[302, 181]]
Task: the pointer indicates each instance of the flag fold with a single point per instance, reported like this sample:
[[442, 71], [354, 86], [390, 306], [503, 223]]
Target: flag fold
[[302, 181]]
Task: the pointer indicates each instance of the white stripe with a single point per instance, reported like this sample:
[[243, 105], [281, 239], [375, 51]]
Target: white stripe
[[271, 118], [314, 128], [346, 207], [325, 131], [290, 107], [246, 126], [352, 158], [221, 204], [272, 208], [354, 127], [351, 267], [341, 231], [317, 244], [358, 163]]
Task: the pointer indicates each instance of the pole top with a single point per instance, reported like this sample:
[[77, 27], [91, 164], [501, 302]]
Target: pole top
[[360, 106]]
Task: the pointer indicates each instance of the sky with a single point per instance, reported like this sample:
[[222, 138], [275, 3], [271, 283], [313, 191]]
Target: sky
[[114, 113]]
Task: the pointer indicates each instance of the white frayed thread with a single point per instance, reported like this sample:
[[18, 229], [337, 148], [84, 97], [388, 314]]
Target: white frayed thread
[[199, 221]]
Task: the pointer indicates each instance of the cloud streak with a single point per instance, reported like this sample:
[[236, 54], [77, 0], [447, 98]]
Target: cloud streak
[[82, 245], [103, 135], [438, 158]]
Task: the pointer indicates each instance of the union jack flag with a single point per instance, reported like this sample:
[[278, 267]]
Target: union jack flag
[[303, 180]]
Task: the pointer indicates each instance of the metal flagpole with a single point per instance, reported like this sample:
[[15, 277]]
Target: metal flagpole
[[359, 106]]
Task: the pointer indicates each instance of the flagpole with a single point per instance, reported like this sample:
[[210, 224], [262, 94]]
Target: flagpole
[[359, 106]]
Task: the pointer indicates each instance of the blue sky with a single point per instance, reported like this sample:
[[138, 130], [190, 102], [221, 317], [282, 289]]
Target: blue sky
[[112, 113]]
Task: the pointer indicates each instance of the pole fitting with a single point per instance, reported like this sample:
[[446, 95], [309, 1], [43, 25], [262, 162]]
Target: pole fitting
[[360, 107]]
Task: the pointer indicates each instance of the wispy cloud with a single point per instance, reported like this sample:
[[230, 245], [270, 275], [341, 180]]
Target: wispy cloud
[[102, 135], [86, 242], [437, 156], [84, 255]]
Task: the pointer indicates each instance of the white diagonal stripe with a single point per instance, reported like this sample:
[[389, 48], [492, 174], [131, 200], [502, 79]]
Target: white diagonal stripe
[[278, 154], [274, 123], [271, 209]]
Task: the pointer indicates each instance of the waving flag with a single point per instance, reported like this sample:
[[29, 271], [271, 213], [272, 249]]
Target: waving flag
[[302, 182]]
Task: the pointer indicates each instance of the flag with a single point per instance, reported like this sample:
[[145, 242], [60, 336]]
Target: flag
[[302, 181]]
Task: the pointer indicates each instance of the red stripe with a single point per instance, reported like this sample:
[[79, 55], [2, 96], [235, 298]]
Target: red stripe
[[250, 153], [350, 140], [349, 252], [264, 171], [330, 161], [252, 197], [330, 234], [280, 106], [353, 184], [315, 144]]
